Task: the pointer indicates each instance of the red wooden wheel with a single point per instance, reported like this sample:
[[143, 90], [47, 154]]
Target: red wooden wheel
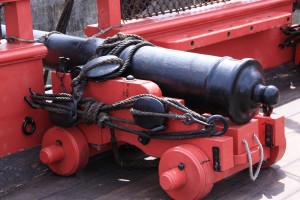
[[186, 172], [65, 151]]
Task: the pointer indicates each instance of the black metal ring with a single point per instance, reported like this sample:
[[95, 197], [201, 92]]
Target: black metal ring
[[222, 119], [28, 121]]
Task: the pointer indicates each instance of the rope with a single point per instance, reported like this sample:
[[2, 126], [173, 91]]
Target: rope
[[102, 31], [10, 38], [93, 112], [261, 150], [116, 44], [65, 17]]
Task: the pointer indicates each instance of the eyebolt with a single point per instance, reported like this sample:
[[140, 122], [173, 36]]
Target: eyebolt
[[221, 119], [28, 121]]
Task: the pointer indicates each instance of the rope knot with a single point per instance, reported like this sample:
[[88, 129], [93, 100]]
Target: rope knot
[[102, 117], [92, 111], [121, 36]]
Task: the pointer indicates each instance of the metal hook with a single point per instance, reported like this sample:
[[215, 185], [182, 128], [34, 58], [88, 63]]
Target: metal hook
[[31, 104], [31, 92]]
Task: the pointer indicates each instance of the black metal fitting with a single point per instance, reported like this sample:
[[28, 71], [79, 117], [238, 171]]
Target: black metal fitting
[[63, 65], [143, 140], [146, 140], [181, 166], [216, 159], [212, 119], [267, 110], [269, 135], [28, 126], [129, 78], [151, 105]]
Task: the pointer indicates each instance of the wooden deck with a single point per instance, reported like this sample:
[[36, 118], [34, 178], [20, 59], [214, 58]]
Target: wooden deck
[[103, 179]]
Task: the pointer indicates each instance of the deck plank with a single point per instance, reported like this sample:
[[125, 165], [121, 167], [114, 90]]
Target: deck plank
[[146, 188]]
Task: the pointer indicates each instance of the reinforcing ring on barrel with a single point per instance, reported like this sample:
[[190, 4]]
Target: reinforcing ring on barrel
[[28, 121], [211, 120]]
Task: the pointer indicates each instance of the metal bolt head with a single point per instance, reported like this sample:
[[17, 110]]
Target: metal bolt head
[[181, 166], [130, 78]]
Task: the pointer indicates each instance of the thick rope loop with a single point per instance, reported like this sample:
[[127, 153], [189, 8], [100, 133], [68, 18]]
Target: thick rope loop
[[261, 150]]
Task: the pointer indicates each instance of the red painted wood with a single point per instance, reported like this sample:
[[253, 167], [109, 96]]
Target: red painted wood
[[18, 18], [65, 151], [21, 68], [15, 53], [194, 181], [238, 29], [195, 37], [279, 139], [109, 13], [297, 54], [233, 157], [52, 154], [124, 89]]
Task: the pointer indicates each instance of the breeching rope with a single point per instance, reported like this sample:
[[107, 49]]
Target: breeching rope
[[90, 111], [65, 17]]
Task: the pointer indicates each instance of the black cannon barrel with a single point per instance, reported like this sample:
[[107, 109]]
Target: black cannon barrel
[[218, 85], [78, 49]]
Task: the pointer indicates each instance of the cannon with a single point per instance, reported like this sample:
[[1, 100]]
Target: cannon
[[92, 115], [162, 80], [217, 85]]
